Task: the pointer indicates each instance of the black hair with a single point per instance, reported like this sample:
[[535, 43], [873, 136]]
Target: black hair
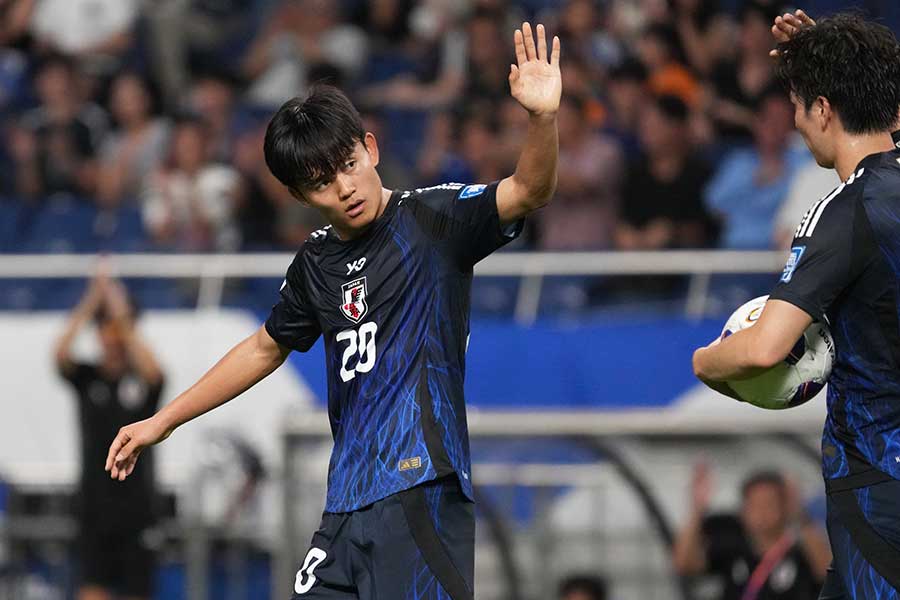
[[763, 478], [308, 140], [591, 585], [56, 59], [672, 108], [853, 63]]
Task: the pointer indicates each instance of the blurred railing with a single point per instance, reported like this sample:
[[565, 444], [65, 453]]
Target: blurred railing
[[532, 267]]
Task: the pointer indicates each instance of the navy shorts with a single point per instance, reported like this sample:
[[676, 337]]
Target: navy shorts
[[418, 544], [864, 528]]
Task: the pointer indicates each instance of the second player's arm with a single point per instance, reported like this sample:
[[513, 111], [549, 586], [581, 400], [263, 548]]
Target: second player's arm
[[536, 83], [751, 351], [242, 367]]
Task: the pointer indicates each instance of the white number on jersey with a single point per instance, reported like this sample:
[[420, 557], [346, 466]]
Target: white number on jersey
[[362, 343]]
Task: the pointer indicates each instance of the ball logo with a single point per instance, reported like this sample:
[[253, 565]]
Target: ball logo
[[753, 315]]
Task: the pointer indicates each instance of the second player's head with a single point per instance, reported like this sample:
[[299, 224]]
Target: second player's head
[[318, 148], [844, 77]]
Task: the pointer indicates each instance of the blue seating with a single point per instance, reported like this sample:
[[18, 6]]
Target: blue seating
[[62, 225], [10, 222]]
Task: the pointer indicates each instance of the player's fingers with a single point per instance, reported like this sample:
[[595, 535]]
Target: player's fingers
[[804, 18], [554, 52], [121, 440], [519, 39], [530, 51], [513, 74], [541, 43]]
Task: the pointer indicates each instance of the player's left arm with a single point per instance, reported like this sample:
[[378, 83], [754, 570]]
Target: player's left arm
[[755, 349], [536, 83]]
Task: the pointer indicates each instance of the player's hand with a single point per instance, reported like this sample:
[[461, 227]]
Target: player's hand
[[535, 80], [787, 25], [130, 441]]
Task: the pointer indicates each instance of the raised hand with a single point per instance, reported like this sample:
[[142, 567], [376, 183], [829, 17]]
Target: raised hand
[[535, 80], [786, 26]]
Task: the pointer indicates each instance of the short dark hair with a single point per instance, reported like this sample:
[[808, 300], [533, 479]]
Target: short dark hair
[[763, 478], [592, 585], [308, 140], [853, 63], [673, 108]]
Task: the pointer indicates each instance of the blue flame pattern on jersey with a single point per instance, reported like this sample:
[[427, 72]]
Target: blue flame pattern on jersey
[[395, 327]]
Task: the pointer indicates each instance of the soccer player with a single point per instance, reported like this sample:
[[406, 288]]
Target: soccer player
[[387, 286], [844, 270]]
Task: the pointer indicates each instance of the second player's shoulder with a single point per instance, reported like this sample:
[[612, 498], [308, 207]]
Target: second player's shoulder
[[835, 209]]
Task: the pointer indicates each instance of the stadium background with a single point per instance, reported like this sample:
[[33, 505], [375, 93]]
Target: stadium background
[[586, 419]]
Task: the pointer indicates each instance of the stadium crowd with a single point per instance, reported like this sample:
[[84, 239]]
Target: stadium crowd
[[673, 131]]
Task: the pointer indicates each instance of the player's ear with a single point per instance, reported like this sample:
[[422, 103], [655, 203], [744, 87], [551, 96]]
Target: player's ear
[[371, 145], [823, 112]]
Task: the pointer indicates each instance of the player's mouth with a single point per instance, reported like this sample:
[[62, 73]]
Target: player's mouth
[[356, 208]]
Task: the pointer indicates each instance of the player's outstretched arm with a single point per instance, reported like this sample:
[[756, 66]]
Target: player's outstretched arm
[[244, 365], [755, 349], [534, 81]]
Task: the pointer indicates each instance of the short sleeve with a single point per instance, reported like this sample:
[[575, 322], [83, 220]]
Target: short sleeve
[[292, 322], [465, 218], [820, 263]]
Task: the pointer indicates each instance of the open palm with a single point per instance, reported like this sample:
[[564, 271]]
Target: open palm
[[535, 81]]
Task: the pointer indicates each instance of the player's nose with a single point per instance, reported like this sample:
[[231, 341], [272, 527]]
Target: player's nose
[[345, 186]]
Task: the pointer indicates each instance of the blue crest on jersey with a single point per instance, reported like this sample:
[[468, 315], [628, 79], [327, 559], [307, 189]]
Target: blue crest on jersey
[[471, 190], [792, 262]]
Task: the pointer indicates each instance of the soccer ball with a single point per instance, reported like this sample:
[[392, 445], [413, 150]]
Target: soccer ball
[[795, 380]]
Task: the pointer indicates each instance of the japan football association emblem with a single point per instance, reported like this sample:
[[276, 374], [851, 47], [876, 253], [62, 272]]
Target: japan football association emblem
[[353, 294]]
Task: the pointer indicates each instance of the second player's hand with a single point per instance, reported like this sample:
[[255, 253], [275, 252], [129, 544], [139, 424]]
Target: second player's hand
[[535, 81], [131, 439], [786, 26]]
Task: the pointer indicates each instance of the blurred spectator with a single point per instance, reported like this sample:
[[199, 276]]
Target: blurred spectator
[[704, 31], [751, 184], [663, 193], [770, 551], [658, 50], [585, 38], [429, 71], [212, 97], [55, 144], [583, 215], [15, 17], [193, 34], [811, 183], [739, 83], [582, 587], [137, 146], [298, 36], [97, 32], [626, 91], [114, 517], [189, 204]]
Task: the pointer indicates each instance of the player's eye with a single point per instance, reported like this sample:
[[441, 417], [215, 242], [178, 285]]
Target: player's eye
[[349, 164], [321, 185]]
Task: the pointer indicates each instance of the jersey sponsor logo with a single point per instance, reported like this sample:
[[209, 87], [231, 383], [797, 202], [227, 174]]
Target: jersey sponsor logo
[[354, 304], [472, 190], [408, 464], [356, 265], [792, 261]]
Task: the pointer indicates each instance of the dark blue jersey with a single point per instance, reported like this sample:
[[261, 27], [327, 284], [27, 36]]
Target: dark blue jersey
[[844, 269], [393, 307]]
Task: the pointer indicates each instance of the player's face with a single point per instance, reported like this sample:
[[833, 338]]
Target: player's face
[[762, 512], [112, 342], [811, 124], [353, 200]]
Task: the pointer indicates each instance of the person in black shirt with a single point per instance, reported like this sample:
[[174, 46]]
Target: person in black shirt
[[123, 386], [756, 555]]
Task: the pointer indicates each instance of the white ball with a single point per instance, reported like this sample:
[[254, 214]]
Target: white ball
[[797, 378]]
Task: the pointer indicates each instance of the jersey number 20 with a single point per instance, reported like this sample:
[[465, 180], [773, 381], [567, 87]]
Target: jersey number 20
[[362, 343]]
